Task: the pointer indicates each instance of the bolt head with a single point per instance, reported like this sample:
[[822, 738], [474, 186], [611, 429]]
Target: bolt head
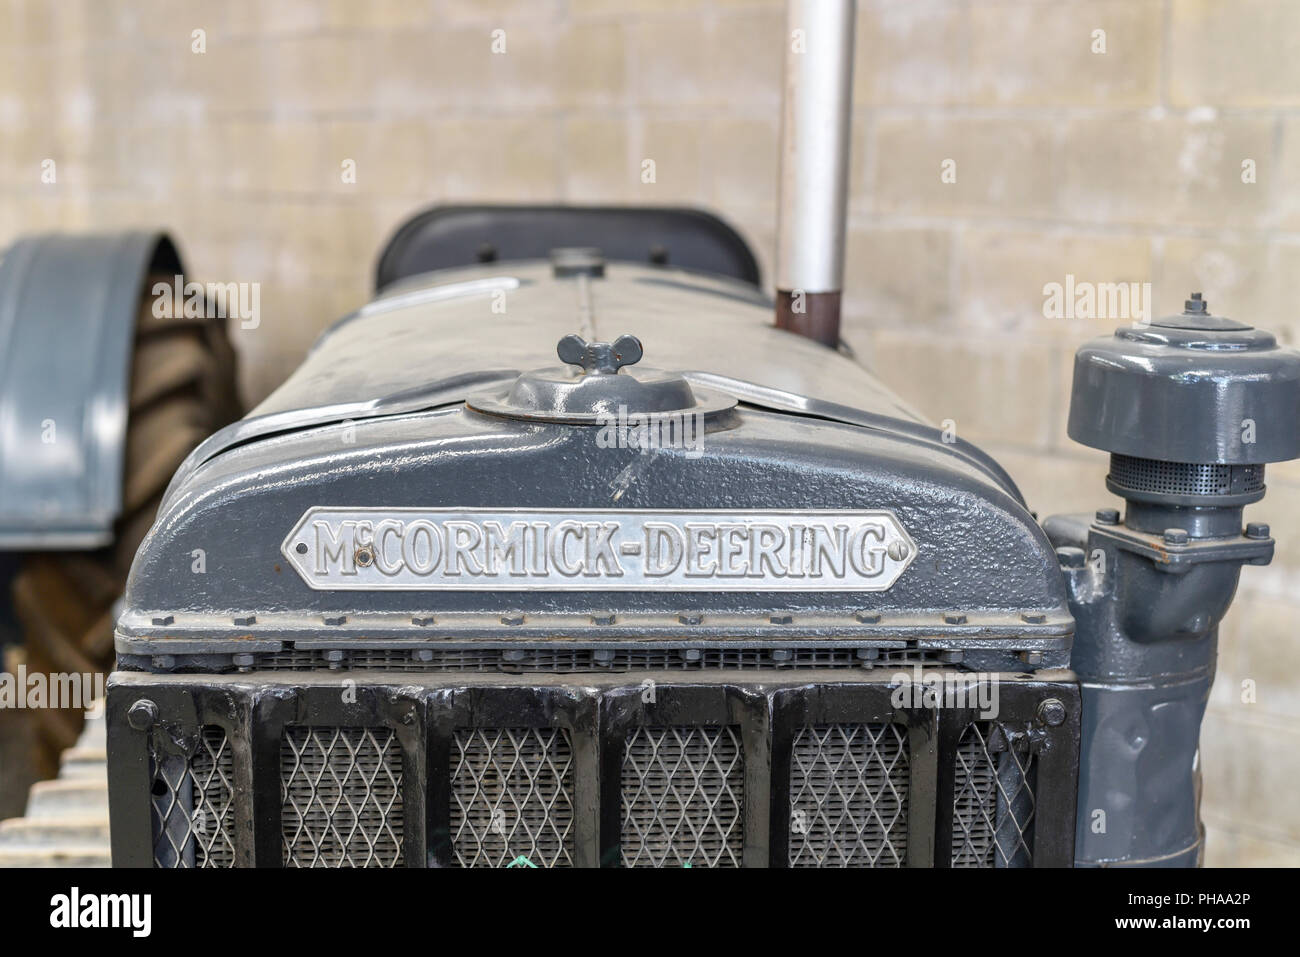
[[1051, 712], [689, 618], [1033, 617], [1176, 536], [781, 619], [142, 715], [1108, 516], [954, 618], [898, 550], [1257, 530]]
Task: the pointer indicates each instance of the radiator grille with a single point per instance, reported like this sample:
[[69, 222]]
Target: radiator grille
[[341, 797], [683, 797], [193, 813], [848, 796], [582, 660], [512, 798], [993, 800]]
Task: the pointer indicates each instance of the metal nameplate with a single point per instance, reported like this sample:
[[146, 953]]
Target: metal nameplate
[[491, 549]]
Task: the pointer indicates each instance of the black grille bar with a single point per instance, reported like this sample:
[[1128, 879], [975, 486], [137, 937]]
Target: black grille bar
[[660, 769]]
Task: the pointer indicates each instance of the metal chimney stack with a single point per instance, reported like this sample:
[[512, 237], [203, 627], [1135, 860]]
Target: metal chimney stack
[[814, 167]]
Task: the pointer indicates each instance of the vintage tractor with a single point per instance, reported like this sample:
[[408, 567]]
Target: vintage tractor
[[579, 550]]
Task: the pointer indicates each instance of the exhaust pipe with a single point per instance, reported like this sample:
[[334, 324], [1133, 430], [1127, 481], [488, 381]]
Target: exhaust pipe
[[814, 167]]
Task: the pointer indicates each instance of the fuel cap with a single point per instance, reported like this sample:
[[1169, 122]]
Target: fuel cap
[[595, 384]]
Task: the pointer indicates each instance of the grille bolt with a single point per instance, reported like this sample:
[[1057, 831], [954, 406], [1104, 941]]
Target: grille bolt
[[515, 618], [690, 618], [142, 715], [1256, 530], [243, 621], [422, 654], [952, 656], [514, 654], [1175, 536], [334, 659], [603, 657], [1108, 516], [782, 654], [867, 654], [244, 662], [336, 619], [1033, 617], [1031, 657], [781, 619], [690, 654], [603, 618], [422, 621], [1051, 712], [868, 617], [954, 618], [164, 620], [898, 550]]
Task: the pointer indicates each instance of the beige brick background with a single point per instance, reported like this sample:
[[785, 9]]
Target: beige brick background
[[1115, 166]]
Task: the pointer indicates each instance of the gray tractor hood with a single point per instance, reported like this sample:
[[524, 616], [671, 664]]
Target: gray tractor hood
[[384, 419]]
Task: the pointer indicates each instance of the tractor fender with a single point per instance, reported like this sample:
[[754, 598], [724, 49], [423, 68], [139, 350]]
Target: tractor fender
[[68, 312]]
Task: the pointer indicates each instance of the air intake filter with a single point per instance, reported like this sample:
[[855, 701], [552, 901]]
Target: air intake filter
[[1190, 406]]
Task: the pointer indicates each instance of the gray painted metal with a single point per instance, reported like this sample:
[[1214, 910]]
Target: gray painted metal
[[68, 307], [978, 550], [1144, 654], [1190, 388], [1149, 590], [433, 341]]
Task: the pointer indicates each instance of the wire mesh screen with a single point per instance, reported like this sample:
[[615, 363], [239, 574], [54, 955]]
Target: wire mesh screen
[[341, 797], [193, 812], [993, 799], [848, 796], [512, 798], [683, 797]]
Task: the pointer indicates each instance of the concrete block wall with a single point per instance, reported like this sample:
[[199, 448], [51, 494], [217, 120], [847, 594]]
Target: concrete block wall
[[999, 145]]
